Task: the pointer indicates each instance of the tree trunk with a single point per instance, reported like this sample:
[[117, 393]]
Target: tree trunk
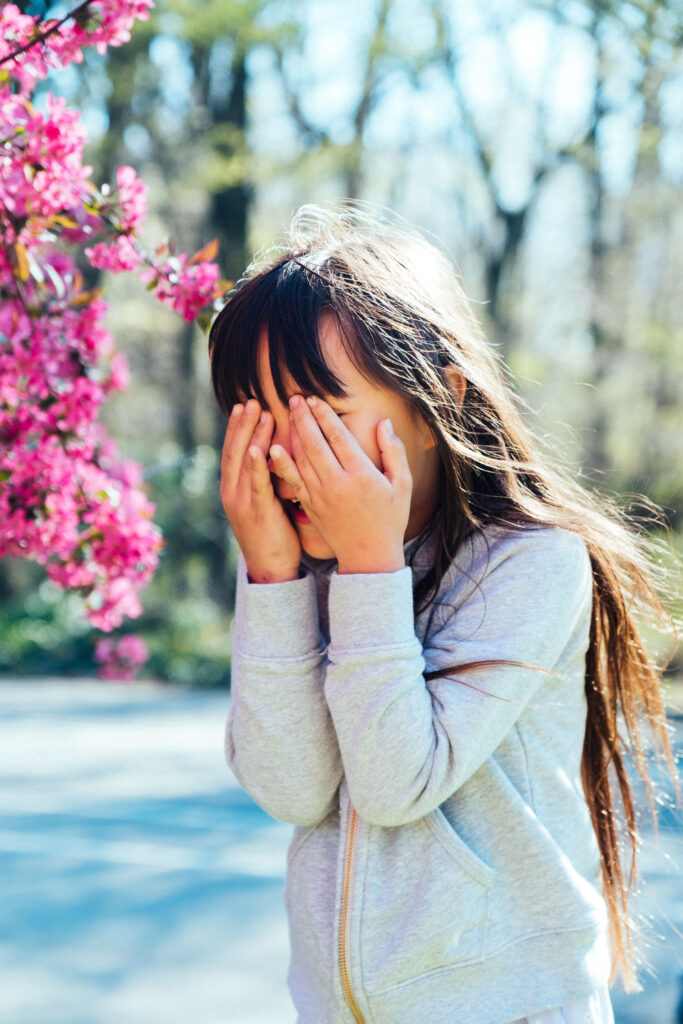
[[227, 219]]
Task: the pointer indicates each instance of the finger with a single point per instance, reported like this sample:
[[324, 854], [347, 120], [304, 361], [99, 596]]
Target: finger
[[235, 456], [230, 463], [314, 443], [393, 455], [261, 484], [287, 470], [341, 441], [303, 464], [264, 432], [233, 420]]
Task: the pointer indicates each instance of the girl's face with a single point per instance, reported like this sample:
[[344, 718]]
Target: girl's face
[[361, 412]]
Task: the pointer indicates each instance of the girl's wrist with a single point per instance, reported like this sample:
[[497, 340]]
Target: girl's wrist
[[267, 576], [392, 564]]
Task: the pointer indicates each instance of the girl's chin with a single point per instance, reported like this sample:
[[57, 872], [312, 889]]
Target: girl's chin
[[313, 544]]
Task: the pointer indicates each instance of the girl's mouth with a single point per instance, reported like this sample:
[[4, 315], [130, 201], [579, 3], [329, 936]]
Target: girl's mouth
[[298, 513]]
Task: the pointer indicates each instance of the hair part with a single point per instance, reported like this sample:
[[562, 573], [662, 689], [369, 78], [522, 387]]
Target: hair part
[[403, 316]]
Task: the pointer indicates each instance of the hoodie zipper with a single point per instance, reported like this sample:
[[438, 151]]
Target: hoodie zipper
[[344, 916]]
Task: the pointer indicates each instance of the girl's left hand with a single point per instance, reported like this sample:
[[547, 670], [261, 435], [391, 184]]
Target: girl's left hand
[[360, 511]]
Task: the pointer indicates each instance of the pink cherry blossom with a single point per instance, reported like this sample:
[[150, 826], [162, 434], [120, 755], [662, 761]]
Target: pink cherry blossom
[[120, 254], [98, 23], [119, 658], [41, 170], [119, 376], [132, 196], [67, 500], [185, 287]]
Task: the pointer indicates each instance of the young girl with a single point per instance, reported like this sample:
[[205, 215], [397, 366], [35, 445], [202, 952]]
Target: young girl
[[434, 636]]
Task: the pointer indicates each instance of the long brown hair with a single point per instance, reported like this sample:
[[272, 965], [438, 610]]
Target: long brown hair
[[404, 318]]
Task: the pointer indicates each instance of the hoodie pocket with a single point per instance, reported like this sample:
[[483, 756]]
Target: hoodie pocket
[[425, 902], [458, 850]]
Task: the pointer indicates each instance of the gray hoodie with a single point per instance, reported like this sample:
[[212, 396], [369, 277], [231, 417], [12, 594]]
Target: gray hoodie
[[444, 869]]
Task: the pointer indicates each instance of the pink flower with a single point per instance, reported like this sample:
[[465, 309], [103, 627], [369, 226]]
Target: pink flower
[[132, 196], [185, 287], [133, 649], [41, 173], [120, 373], [104, 23], [118, 255], [66, 499], [16, 29], [120, 658]]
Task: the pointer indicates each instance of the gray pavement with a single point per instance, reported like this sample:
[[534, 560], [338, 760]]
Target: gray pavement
[[140, 884]]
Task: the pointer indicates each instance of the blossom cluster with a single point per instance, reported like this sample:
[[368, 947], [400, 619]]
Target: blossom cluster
[[46, 195], [56, 43], [178, 281], [66, 499], [41, 167], [119, 658]]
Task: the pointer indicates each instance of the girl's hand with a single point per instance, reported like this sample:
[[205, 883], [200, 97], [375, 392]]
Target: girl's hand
[[267, 539], [359, 510]]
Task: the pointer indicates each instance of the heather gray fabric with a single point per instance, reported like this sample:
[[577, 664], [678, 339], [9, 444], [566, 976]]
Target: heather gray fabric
[[474, 894]]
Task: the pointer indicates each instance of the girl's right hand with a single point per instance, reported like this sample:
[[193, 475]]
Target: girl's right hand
[[267, 539]]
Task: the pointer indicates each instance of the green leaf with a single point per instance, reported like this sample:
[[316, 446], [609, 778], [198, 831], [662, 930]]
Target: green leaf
[[204, 318]]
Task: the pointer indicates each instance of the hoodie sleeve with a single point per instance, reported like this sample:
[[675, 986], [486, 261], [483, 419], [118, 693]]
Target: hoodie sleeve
[[279, 738], [408, 744]]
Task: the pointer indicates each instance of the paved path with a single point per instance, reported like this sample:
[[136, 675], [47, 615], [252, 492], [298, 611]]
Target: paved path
[[139, 884]]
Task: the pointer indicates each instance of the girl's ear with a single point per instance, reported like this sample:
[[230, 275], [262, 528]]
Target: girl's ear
[[458, 385], [457, 382]]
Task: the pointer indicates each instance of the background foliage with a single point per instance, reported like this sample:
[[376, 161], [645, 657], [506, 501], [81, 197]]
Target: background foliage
[[542, 142]]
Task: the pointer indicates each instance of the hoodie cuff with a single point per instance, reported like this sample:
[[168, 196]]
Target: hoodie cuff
[[278, 620], [371, 609]]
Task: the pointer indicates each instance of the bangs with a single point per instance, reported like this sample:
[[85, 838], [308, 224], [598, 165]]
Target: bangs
[[288, 300]]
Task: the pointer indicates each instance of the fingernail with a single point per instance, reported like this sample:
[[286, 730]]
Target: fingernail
[[390, 429], [262, 418], [295, 401], [312, 401], [275, 452]]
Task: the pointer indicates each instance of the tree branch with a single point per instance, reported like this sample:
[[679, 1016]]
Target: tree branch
[[370, 77], [42, 36], [303, 124]]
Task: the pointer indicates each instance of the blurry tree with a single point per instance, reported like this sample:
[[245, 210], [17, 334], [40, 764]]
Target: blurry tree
[[632, 55], [242, 109], [202, 136], [378, 56], [637, 53], [69, 502], [501, 237], [178, 101]]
